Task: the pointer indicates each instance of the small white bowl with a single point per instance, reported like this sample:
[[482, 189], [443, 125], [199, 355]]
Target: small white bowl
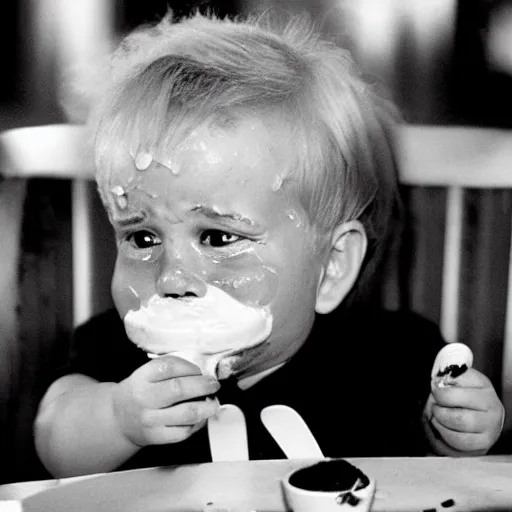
[[332, 485]]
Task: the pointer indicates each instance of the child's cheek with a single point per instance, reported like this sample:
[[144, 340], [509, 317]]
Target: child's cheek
[[130, 288], [250, 283]]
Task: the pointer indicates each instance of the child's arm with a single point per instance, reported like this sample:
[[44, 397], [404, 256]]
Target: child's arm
[[84, 426], [464, 417]]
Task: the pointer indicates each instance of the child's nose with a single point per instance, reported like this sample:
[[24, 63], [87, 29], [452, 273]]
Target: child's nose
[[176, 281]]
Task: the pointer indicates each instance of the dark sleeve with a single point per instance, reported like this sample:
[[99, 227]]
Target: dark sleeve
[[100, 349]]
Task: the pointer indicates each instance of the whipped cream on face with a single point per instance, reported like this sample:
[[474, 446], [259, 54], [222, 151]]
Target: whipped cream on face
[[199, 329]]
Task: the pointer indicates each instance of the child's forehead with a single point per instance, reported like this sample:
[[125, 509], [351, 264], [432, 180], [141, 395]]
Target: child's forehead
[[241, 141]]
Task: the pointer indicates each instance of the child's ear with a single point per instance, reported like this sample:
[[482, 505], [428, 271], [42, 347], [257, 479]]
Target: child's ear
[[346, 254]]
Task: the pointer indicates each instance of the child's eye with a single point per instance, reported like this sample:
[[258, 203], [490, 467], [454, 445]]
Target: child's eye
[[143, 239], [216, 238]]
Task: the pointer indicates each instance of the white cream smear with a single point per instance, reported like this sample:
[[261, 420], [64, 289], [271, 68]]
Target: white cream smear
[[202, 330]]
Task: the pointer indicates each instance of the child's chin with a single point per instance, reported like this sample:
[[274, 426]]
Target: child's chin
[[227, 367], [240, 363], [233, 365]]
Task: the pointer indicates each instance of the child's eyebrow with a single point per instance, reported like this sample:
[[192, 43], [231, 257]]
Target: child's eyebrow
[[231, 217], [132, 220]]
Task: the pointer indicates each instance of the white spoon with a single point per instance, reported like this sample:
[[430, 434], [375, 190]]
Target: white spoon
[[227, 433], [290, 432]]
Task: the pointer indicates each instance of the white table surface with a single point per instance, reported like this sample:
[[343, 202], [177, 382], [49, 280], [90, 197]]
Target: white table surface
[[403, 484]]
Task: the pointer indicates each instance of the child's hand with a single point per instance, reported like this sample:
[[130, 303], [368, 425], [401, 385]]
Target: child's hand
[[153, 405], [464, 415]]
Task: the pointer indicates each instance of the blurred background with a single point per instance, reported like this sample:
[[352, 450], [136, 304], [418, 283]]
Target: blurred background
[[443, 62]]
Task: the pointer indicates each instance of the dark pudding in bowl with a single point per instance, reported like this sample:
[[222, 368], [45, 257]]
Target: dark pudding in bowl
[[329, 485]]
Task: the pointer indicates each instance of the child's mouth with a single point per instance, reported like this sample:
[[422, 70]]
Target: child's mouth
[[203, 330]]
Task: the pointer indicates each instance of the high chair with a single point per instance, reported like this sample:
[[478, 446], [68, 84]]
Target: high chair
[[452, 264], [41, 298]]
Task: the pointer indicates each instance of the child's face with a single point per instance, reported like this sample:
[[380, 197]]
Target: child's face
[[217, 212]]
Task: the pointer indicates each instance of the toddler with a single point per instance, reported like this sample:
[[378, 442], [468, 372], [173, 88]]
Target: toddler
[[255, 162]]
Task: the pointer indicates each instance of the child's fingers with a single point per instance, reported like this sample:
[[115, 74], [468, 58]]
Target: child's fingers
[[167, 435], [172, 391], [477, 399], [460, 420], [177, 423], [461, 441], [471, 378], [181, 415], [167, 367]]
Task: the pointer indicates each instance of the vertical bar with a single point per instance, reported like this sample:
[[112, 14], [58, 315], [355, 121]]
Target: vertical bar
[[506, 391], [451, 265], [423, 258], [82, 251], [12, 200], [84, 34]]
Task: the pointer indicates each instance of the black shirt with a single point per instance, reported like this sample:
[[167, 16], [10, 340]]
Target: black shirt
[[360, 382]]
